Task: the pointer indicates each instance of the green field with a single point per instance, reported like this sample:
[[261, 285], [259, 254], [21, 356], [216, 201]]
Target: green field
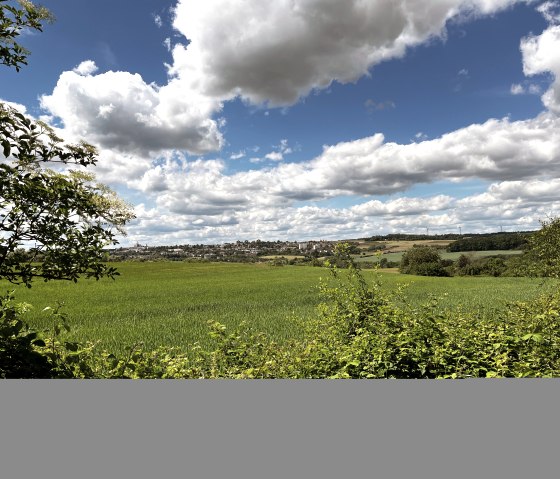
[[169, 303]]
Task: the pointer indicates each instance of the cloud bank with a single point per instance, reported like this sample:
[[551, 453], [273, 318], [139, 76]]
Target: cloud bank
[[271, 53], [276, 53]]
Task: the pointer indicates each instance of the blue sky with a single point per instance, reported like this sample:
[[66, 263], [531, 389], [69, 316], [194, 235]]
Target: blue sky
[[307, 119]]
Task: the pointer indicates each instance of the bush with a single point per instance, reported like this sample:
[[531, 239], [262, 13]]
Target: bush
[[423, 261], [19, 357], [487, 266]]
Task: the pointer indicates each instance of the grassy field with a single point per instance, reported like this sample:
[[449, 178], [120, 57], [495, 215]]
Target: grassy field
[[399, 246], [169, 303]]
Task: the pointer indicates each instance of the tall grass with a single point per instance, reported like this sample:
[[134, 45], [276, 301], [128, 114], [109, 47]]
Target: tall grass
[[169, 303]]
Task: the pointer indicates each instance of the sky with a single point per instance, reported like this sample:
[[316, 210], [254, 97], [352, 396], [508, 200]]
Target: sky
[[226, 120]]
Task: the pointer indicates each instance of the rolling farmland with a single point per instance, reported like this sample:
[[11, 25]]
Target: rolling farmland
[[169, 303]]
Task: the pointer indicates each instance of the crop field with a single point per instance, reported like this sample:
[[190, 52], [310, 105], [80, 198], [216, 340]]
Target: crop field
[[400, 246], [169, 303]]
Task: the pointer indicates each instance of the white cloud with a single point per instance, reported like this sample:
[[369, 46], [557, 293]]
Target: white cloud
[[248, 51], [549, 11], [498, 150], [534, 89], [238, 155], [274, 156], [281, 150], [119, 111], [158, 21], [511, 205], [517, 89], [541, 54], [244, 51], [87, 67]]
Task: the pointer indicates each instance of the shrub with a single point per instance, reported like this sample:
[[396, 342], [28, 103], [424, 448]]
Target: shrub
[[19, 357], [422, 261]]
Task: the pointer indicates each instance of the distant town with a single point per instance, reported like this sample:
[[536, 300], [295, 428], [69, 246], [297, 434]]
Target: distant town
[[240, 251], [295, 252]]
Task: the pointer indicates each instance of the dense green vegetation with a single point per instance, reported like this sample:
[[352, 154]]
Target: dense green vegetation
[[396, 257], [423, 261], [490, 241]]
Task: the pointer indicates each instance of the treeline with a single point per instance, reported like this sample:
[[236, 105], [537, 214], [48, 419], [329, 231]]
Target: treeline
[[540, 256], [411, 237], [490, 242], [427, 261], [468, 241]]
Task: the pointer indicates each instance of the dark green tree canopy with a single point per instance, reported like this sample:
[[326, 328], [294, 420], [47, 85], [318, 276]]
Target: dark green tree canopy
[[423, 261]]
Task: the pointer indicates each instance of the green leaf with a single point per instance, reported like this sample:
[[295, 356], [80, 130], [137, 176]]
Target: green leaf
[[71, 346], [7, 148]]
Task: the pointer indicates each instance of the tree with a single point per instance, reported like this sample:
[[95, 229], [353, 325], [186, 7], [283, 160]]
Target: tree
[[13, 20], [63, 215], [423, 261], [544, 249]]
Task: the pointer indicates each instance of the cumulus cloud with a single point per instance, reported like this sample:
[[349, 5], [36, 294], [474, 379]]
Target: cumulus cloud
[[520, 153], [278, 52], [541, 54], [496, 149], [119, 111], [246, 52], [273, 53], [87, 67], [274, 156], [512, 205], [530, 89]]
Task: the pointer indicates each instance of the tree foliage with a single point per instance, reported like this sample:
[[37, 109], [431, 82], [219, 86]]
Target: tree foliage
[[489, 242], [544, 249], [65, 219], [423, 261], [14, 18], [61, 216]]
